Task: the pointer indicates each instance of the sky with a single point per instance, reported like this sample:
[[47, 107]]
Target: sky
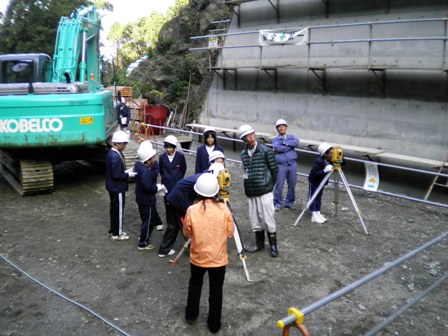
[[124, 11]]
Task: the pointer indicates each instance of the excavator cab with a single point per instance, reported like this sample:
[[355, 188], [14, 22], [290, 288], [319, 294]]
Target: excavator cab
[[25, 68]]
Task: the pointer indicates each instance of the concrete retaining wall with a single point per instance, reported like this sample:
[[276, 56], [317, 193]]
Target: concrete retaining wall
[[403, 111]]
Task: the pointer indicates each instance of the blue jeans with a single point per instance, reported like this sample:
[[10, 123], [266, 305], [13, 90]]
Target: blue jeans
[[288, 173]]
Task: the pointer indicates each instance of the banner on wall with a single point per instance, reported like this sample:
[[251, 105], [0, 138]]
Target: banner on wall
[[278, 37], [372, 176], [214, 42]]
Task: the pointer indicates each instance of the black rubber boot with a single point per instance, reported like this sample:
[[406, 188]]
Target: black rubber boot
[[273, 243], [259, 242]]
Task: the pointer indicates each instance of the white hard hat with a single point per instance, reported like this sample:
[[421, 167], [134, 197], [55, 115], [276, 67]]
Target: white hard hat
[[245, 130], [146, 144], [323, 147], [215, 155], [209, 129], [171, 139], [207, 185], [280, 122], [145, 153], [120, 137], [215, 168]]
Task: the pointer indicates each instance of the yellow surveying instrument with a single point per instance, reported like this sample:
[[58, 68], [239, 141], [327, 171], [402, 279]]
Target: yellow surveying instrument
[[337, 158], [224, 185]]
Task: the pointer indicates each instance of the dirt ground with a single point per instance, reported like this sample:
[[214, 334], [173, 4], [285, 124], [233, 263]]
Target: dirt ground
[[61, 240]]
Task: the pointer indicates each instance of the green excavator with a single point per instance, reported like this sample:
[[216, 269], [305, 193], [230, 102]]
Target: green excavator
[[52, 110]]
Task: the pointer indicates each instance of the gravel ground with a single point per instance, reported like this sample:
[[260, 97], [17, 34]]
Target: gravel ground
[[61, 240]]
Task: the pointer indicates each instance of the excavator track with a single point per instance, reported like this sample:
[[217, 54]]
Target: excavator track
[[27, 176]]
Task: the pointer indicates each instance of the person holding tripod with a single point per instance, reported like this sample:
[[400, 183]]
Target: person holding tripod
[[322, 166]]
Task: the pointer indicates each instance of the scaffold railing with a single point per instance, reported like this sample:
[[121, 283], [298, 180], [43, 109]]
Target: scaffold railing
[[368, 55], [143, 132]]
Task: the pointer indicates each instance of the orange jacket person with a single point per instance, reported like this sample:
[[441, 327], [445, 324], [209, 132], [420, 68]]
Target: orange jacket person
[[209, 224]]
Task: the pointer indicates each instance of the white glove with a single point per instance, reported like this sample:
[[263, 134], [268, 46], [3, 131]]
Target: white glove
[[130, 172], [162, 188], [328, 168]]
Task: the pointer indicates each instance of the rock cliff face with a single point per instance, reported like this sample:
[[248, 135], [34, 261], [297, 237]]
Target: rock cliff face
[[173, 70]]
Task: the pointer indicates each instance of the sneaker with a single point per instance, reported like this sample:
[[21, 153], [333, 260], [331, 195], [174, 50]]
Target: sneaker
[[171, 252], [292, 207], [120, 237], [147, 247], [316, 219], [321, 217], [111, 234], [277, 209], [159, 227]]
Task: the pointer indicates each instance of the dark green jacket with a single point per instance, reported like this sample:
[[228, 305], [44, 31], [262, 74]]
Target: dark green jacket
[[261, 171]]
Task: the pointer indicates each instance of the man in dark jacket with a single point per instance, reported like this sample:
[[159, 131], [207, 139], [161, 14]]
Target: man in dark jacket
[[117, 184], [146, 189], [179, 198], [124, 114], [260, 176]]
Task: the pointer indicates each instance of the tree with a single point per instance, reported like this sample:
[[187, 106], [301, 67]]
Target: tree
[[30, 26], [136, 39]]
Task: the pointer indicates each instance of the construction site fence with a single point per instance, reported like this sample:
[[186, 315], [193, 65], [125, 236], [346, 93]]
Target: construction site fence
[[143, 132], [297, 318]]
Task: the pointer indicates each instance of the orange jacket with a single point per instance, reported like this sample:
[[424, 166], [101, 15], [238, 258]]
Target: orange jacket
[[209, 224]]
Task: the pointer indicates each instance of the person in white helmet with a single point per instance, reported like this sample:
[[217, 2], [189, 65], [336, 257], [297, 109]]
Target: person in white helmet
[[155, 219], [284, 147], [172, 163], [260, 176], [172, 168], [117, 184], [217, 157], [322, 166], [180, 197], [146, 189], [203, 152], [209, 224]]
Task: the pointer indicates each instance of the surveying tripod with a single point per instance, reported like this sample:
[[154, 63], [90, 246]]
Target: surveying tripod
[[336, 161], [223, 195]]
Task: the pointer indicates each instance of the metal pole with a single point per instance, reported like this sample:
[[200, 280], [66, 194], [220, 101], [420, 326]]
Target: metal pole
[[336, 193], [352, 198], [239, 243], [318, 304], [313, 197], [380, 326]]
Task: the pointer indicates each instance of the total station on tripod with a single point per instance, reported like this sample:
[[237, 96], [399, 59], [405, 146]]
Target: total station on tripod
[[224, 184], [337, 157]]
